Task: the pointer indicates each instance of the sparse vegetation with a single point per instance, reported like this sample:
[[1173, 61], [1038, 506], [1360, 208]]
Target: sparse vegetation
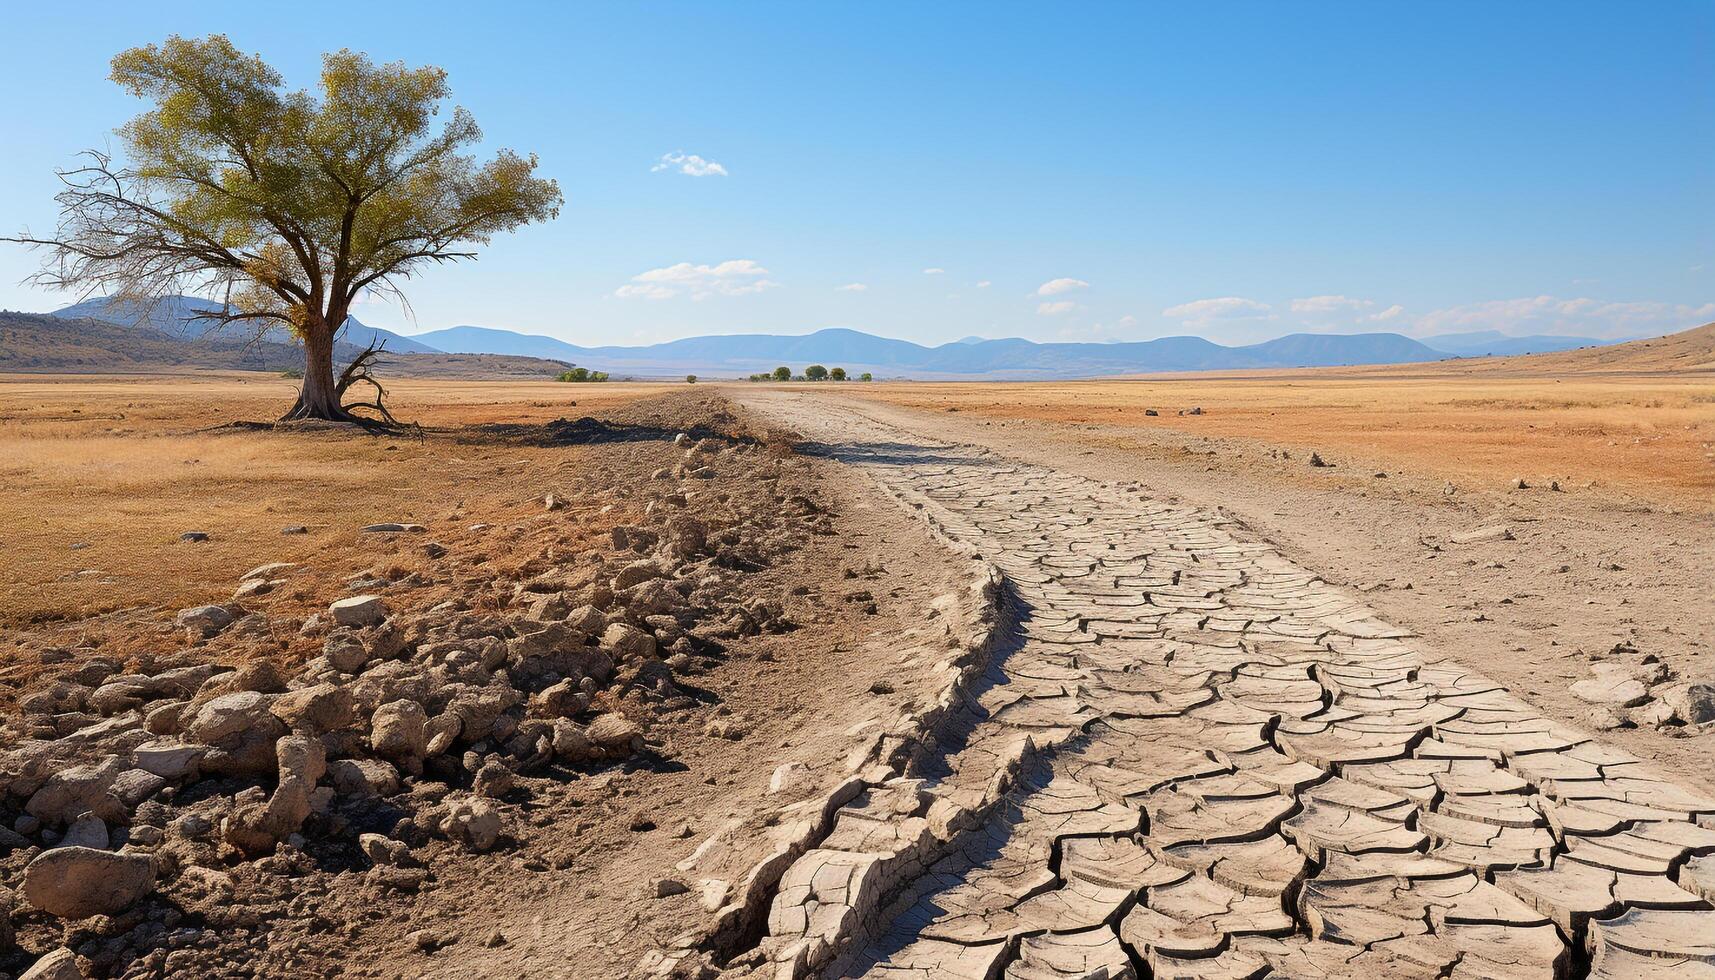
[[690, 379], [837, 374], [783, 373], [293, 373], [816, 372], [866, 376], [290, 203]]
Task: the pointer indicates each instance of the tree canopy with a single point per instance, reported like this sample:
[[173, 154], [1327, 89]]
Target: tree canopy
[[287, 205]]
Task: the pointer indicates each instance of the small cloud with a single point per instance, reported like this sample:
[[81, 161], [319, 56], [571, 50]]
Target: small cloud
[[689, 164], [984, 284], [934, 271], [1128, 320], [734, 277], [1222, 308], [1581, 317], [851, 287], [1056, 308], [1330, 304], [1054, 287], [1387, 314]]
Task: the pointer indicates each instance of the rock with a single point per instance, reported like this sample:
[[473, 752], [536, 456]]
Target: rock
[[76, 790], [194, 536], [345, 652], [615, 735], [881, 687], [168, 760], [294, 529], [1496, 532], [257, 828], [1317, 460], [133, 786], [666, 887], [78, 882], [570, 743], [61, 964], [381, 849], [399, 731], [638, 571], [271, 570], [493, 780], [788, 777], [363, 777], [1519, 484], [713, 894], [392, 527], [87, 831], [1152, 413], [254, 587], [435, 550], [229, 715], [1694, 703], [358, 610], [207, 620], [192, 825], [552, 502], [628, 643], [474, 822], [315, 710], [1615, 685]]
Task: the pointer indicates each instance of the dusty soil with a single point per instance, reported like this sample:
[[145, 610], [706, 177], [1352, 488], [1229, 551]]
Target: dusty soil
[[849, 621], [1587, 569]]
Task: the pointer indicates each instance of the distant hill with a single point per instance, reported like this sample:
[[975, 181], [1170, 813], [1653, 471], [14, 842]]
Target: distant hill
[[486, 340], [1493, 343], [43, 343], [178, 316], [1688, 351], [970, 357]]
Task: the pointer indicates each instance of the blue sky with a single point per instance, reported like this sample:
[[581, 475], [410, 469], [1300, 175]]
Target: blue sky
[[1052, 171]]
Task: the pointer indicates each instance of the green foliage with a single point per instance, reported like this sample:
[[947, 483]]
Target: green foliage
[[690, 379], [866, 376], [783, 373], [816, 372], [837, 374], [290, 203], [581, 375]]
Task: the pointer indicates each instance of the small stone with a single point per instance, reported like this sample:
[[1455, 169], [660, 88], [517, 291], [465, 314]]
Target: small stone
[[553, 502], [788, 777], [61, 964], [435, 550], [392, 527], [1519, 484], [294, 529], [881, 687], [194, 536], [493, 780], [713, 894], [87, 831], [358, 610], [1317, 460], [207, 620], [78, 882], [428, 940], [666, 887]]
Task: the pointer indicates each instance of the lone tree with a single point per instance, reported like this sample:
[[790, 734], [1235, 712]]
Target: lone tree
[[837, 374], [286, 204], [783, 373], [816, 372]]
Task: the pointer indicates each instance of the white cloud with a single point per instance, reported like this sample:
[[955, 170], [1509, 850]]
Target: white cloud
[[1054, 287], [1222, 308], [851, 287], [933, 271], [1388, 314], [984, 284], [1056, 308], [689, 164], [1330, 304], [734, 277], [1584, 317]]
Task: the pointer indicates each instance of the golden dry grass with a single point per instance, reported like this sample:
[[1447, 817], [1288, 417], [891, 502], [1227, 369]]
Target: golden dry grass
[[1652, 436], [123, 466]]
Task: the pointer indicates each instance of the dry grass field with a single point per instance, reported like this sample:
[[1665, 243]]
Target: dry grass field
[[99, 477], [1650, 435]]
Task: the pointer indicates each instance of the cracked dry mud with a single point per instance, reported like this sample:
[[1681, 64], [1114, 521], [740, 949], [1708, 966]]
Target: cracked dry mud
[[1191, 757]]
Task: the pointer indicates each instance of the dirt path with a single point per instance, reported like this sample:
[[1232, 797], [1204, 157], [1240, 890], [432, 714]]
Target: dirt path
[[1198, 757]]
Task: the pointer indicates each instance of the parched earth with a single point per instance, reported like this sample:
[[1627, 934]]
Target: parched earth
[[1188, 756], [897, 705]]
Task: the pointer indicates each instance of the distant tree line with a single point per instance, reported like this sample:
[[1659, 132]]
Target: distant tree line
[[581, 374], [814, 372]]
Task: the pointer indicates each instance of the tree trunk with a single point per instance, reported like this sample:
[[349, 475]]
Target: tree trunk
[[319, 397]]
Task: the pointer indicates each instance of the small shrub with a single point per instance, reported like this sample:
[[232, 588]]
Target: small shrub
[[294, 373], [690, 379]]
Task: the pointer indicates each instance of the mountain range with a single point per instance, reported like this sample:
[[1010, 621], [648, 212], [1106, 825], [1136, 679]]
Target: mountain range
[[968, 357]]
